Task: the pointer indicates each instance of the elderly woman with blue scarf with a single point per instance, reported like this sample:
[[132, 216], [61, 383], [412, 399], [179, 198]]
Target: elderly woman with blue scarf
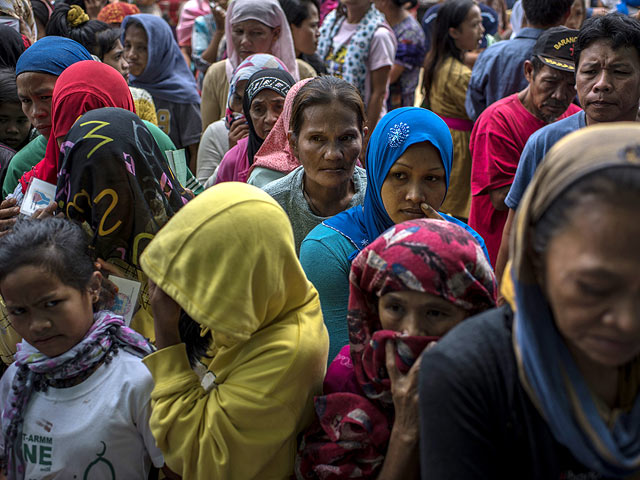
[[157, 65], [409, 160], [548, 385]]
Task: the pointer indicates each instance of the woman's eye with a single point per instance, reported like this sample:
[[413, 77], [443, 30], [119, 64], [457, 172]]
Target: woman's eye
[[347, 138], [395, 308], [316, 138], [435, 313], [592, 290], [398, 175], [432, 178], [51, 303], [16, 311]]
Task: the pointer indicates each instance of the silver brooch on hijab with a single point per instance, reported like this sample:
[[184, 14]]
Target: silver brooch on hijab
[[398, 134]]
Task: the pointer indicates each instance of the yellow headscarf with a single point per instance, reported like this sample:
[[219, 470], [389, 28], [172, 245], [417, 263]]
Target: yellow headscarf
[[228, 258]]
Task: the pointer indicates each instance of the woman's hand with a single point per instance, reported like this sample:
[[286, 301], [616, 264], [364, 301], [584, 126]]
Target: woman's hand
[[166, 317], [219, 16], [404, 389], [8, 215], [46, 211], [430, 212], [239, 129]]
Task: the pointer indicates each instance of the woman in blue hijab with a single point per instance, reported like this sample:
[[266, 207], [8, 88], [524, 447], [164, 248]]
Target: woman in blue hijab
[[157, 65], [409, 161], [37, 71]]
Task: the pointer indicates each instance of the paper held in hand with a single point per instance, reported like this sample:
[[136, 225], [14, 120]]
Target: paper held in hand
[[39, 195], [127, 297]]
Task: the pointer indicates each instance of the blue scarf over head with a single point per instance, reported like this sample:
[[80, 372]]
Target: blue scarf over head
[[604, 440], [166, 75], [394, 133], [51, 55]]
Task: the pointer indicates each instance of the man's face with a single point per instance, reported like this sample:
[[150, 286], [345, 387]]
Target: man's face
[[551, 91], [608, 82]]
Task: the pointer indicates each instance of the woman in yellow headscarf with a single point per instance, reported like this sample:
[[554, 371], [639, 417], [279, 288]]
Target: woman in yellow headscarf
[[227, 261]]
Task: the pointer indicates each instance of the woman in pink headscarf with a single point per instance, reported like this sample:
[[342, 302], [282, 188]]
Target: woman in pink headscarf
[[251, 26]]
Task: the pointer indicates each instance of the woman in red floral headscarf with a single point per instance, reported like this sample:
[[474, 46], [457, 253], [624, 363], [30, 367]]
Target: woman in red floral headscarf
[[407, 289]]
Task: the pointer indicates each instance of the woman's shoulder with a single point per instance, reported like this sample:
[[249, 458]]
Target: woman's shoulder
[[326, 241], [286, 184], [216, 72]]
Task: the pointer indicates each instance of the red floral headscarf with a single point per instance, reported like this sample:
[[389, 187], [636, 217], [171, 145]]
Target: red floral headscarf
[[351, 436]]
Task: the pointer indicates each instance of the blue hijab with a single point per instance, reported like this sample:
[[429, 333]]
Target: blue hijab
[[166, 75], [394, 133], [51, 55]]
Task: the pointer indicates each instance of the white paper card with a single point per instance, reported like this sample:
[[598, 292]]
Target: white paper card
[[126, 298], [39, 195]]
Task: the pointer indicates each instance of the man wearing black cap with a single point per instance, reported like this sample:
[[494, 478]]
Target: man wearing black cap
[[607, 58], [500, 133]]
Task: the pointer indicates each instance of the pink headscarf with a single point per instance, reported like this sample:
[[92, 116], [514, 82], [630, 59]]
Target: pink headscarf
[[269, 13], [275, 153], [192, 9]]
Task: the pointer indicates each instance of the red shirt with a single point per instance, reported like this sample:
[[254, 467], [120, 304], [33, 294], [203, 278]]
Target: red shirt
[[497, 140]]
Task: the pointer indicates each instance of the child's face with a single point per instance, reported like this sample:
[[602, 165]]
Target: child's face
[[49, 315], [14, 125]]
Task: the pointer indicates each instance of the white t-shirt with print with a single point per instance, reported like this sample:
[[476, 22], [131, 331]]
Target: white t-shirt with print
[[97, 430]]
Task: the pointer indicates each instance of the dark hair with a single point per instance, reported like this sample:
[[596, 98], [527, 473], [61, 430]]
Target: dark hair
[[323, 91], [402, 3], [58, 246], [40, 11], [8, 88], [621, 30], [297, 11], [451, 15], [84, 34], [618, 185], [537, 64], [106, 41], [545, 13]]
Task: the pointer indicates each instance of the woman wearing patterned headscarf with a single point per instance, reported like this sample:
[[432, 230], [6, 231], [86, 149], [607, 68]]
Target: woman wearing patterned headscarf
[[252, 26], [407, 289], [548, 385], [409, 158], [22, 12], [225, 133], [262, 105]]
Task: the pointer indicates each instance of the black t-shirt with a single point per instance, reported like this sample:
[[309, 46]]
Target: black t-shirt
[[477, 422]]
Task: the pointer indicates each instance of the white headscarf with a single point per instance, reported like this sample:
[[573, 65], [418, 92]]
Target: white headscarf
[[270, 14]]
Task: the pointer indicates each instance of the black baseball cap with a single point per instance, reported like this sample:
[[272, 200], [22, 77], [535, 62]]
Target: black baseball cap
[[555, 48]]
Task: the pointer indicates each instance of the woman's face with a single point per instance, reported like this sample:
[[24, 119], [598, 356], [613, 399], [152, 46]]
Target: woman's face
[[14, 125], [115, 58], [305, 37], [417, 177], [469, 33], [135, 49], [592, 283], [49, 315], [35, 91], [328, 144], [265, 111], [251, 37], [577, 15], [418, 313], [238, 96]]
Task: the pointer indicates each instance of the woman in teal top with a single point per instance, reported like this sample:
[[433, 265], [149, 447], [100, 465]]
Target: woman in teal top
[[408, 163]]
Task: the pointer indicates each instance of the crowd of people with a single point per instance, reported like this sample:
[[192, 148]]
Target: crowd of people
[[319, 239]]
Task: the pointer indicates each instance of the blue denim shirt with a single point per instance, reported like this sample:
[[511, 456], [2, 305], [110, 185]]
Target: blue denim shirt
[[499, 72]]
